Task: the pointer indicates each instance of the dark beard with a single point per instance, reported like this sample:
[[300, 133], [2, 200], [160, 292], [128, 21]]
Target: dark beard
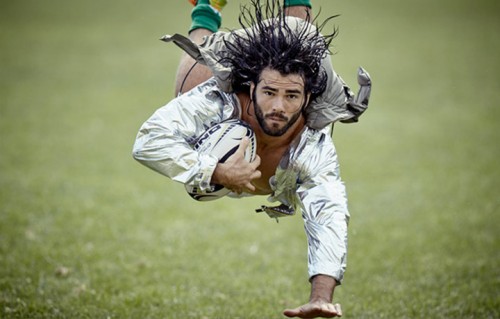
[[269, 130]]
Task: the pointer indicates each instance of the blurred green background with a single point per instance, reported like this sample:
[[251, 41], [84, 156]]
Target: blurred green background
[[86, 232]]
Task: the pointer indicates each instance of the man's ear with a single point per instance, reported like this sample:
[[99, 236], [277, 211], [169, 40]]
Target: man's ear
[[252, 87], [307, 100]]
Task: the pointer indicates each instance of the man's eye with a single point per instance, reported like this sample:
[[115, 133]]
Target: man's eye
[[293, 97], [269, 93]]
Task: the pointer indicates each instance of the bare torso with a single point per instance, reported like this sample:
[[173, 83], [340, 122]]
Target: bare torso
[[270, 159]]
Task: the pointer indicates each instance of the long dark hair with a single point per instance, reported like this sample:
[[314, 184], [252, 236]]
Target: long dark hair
[[267, 40]]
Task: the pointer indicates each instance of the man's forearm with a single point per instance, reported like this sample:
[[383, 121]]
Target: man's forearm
[[322, 287]]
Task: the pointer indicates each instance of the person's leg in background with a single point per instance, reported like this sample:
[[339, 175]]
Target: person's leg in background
[[205, 19]]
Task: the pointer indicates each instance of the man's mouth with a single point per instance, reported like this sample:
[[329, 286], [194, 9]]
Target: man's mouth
[[277, 117]]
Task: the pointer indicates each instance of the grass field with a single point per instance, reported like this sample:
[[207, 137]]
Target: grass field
[[86, 232]]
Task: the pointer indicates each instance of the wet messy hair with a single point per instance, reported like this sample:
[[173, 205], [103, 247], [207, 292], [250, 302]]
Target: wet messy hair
[[274, 44]]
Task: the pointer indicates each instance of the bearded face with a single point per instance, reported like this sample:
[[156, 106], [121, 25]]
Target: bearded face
[[278, 101], [277, 122]]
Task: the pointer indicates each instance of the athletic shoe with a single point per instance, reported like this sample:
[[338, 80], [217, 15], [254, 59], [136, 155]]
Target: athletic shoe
[[216, 4]]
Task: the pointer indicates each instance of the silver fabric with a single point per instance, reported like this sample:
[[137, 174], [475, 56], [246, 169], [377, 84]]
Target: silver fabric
[[337, 103], [165, 141], [307, 178], [357, 104]]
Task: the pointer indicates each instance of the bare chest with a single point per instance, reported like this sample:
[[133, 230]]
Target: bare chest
[[270, 159]]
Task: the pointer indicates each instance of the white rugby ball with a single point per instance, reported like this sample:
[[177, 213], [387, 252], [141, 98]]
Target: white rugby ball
[[222, 140]]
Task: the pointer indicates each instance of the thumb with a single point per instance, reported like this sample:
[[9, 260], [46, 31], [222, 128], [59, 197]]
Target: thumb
[[292, 312]]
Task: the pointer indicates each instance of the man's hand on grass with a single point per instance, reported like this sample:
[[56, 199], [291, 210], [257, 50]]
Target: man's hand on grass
[[315, 310]]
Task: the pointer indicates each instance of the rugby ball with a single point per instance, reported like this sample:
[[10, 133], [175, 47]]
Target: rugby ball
[[222, 140]]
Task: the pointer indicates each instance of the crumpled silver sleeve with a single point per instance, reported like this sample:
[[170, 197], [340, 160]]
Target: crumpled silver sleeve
[[309, 178], [164, 142], [323, 201]]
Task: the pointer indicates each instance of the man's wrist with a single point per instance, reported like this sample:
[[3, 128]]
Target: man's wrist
[[217, 176]]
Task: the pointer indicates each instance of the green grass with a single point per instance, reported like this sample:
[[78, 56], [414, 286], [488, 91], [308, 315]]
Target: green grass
[[86, 232]]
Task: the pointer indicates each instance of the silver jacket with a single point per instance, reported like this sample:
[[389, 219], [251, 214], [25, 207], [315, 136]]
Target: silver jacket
[[307, 178]]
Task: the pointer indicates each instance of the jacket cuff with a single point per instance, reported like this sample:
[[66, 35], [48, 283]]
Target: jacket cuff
[[207, 165]]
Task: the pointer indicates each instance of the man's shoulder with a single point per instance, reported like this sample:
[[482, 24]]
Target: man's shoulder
[[208, 96], [205, 90]]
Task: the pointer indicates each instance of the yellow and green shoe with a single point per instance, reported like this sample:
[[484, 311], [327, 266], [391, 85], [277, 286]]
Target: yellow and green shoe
[[216, 4]]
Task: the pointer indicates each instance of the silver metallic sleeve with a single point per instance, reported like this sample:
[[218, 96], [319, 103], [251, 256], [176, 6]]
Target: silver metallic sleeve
[[323, 202], [320, 193], [164, 141]]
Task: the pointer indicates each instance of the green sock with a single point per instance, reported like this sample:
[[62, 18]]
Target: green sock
[[204, 16], [293, 3]]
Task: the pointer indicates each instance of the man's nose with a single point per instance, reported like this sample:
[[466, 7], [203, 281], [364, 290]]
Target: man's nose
[[279, 104]]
